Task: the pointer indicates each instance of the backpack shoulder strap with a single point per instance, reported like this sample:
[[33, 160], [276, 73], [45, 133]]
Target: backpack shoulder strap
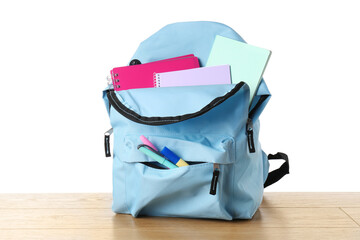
[[279, 173]]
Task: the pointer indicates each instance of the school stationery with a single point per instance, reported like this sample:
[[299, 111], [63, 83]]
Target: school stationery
[[173, 157], [142, 75], [247, 62], [196, 76], [147, 142], [110, 78], [153, 155]]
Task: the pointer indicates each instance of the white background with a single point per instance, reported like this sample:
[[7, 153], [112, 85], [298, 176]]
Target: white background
[[55, 55]]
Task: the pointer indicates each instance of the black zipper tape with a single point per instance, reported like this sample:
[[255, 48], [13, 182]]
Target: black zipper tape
[[156, 121], [257, 105], [154, 165]]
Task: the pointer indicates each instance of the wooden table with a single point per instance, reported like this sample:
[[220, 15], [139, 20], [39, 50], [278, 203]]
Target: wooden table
[[283, 216]]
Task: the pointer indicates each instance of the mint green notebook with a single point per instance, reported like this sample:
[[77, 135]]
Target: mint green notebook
[[247, 62]]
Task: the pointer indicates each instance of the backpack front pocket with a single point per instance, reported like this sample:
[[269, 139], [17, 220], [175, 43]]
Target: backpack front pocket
[[200, 125], [183, 191]]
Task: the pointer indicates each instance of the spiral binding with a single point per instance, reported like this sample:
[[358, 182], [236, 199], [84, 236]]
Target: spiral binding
[[115, 82], [156, 80]]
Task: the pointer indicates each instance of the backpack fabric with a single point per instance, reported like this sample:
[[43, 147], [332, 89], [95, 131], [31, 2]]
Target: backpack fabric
[[211, 127]]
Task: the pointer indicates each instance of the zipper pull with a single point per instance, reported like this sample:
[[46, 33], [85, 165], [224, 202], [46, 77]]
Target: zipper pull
[[214, 179], [250, 135], [107, 142]]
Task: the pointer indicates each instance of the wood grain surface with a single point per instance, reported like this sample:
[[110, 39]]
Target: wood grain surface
[[89, 216]]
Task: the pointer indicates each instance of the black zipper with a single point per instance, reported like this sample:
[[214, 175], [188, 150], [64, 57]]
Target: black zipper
[[155, 121], [107, 142], [250, 135], [215, 179]]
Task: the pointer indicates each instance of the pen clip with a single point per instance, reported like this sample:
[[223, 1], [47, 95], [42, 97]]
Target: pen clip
[[151, 149]]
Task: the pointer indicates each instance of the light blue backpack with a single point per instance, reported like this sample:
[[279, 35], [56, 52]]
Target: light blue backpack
[[210, 127]]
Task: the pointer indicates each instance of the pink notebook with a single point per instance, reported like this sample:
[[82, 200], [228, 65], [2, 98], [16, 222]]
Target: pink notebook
[[197, 76], [143, 75]]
